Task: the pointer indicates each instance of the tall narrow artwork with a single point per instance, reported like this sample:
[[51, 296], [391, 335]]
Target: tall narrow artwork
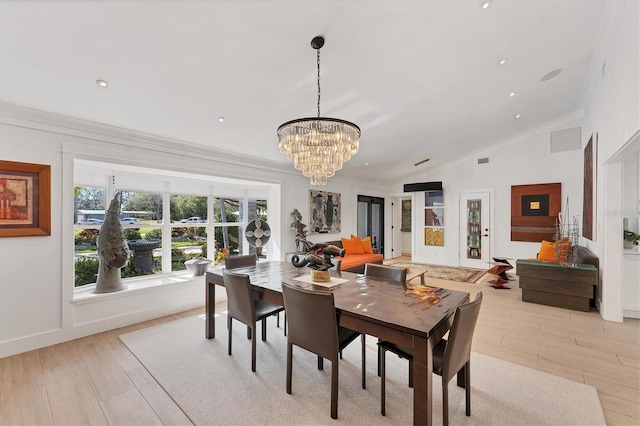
[[324, 212], [588, 196]]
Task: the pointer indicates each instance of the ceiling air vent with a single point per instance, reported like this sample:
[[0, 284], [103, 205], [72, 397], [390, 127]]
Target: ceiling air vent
[[565, 140], [484, 160]]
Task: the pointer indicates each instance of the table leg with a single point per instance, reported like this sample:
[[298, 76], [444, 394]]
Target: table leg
[[210, 309], [422, 381]]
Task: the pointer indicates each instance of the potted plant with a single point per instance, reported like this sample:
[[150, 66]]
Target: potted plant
[[631, 240]]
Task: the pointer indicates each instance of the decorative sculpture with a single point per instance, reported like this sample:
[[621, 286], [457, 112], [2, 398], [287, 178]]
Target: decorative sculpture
[[319, 257], [301, 233], [113, 250]]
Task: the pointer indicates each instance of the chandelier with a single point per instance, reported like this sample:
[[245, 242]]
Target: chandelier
[[319, 146]]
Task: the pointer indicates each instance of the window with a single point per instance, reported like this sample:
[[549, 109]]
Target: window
[[166, 220]]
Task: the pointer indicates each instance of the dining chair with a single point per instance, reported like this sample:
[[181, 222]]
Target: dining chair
[[242, 261], [243, 307], [450, 356], [313, 326], [391, 273]]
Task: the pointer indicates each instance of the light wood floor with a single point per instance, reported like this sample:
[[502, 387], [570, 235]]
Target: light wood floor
[[96, 380]]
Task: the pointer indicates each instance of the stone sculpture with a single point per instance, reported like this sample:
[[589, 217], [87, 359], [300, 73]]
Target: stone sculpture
[[113, 250]]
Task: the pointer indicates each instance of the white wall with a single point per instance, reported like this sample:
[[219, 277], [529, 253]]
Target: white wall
[[613, 111], [524, 161]]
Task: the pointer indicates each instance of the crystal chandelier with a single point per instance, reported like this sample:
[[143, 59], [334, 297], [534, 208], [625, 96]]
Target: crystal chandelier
[[318, 146]]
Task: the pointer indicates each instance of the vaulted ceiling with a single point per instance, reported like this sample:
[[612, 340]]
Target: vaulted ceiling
[[421, 78]]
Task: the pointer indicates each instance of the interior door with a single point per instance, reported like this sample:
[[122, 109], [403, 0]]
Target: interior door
[[474, 230], [371, 220]]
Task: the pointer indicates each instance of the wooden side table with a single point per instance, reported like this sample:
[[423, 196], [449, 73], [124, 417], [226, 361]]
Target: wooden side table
[[499, 269]]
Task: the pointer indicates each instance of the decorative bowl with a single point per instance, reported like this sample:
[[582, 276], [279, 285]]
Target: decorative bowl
[[198, 265]]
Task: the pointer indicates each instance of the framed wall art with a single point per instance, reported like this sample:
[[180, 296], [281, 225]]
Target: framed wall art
[[434, 218], [534, 211], [588, 194], [406, 216], [25, 199], [324, 212]]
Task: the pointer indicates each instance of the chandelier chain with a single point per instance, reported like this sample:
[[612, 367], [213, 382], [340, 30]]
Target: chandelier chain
[[318, 82]]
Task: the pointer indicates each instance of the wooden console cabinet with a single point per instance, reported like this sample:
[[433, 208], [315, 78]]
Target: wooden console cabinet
[[555, 284]]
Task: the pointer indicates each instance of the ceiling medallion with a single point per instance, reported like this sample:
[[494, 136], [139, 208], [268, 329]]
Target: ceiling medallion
[[318, 146]]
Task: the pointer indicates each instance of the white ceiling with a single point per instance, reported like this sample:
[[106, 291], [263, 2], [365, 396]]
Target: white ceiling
[[420, 78]]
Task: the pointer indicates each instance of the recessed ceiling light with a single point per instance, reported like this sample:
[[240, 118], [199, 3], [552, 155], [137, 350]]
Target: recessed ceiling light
[[516, 116], [485, 4], [221, 119], [102, 83], [502, 61], [366, 164], [512, 94]]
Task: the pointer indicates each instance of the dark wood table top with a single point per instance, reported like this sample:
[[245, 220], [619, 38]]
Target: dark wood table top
[[414, 309]]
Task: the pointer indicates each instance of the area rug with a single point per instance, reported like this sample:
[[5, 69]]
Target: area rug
[[450, 273], [213, 388]]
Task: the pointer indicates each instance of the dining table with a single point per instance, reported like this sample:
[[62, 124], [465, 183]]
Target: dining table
[[413, 316]]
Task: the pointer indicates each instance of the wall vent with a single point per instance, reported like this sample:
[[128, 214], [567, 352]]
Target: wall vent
[[484, 160], [565, 140]]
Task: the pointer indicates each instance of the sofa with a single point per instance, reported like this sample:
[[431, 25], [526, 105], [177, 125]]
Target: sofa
[[355, 262], [563, 285]]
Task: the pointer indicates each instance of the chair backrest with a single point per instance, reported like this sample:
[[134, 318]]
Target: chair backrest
[[233, 262], [458, 350], [392, 273], [239, 297], [311, 319]]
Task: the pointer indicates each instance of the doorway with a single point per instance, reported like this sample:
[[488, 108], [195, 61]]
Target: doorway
[[371, 220], [474, 230]]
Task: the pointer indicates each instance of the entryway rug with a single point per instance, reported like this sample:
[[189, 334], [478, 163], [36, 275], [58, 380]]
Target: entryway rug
[[213, 388], [450, 273]]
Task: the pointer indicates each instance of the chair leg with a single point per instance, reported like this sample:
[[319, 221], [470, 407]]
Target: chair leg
[[379, 355], [264, 329], [285, 323], [253, 350], [320, 363], [382, 369], [278, 319], [230, 332], [364, 364], [410, 373], [289, 366], [467, 387], [248, 333], [445, 402], [334, 389]]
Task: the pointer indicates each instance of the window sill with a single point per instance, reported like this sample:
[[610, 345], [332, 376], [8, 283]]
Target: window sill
[[133, 286]]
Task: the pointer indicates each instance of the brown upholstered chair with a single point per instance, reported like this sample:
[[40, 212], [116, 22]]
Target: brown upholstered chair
[[242, 261], [313, 325], [449, 356], [391, 273], [243, 307]]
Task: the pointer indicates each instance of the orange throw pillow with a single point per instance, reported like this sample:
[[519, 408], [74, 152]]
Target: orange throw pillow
[[366, 246], [352, 246], [547, 251]]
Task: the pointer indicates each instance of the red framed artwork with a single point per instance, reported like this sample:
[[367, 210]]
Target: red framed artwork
[[25, 199], [534, 211]]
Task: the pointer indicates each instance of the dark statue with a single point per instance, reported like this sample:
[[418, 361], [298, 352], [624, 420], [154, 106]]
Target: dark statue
[[318, 257]]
